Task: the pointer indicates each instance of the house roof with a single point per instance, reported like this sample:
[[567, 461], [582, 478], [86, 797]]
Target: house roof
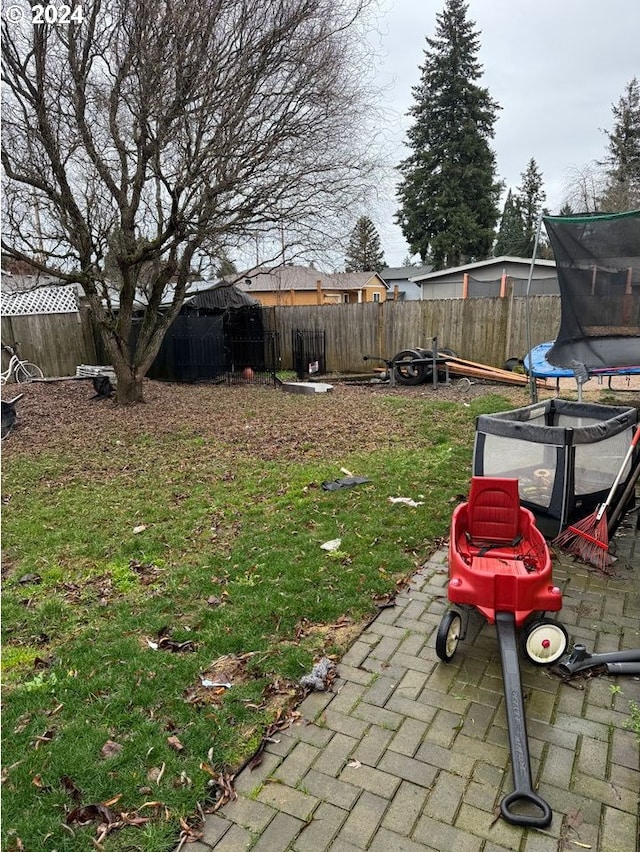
[[481, 264], [306, 278], [404, 273]]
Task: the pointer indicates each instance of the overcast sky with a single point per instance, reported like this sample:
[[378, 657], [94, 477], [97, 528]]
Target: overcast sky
[[554, 66]]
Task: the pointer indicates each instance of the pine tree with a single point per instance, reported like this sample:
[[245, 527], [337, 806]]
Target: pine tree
[[622, 190], [363, 252], [449, 192], [225, 267], [531, 197], [511, 231]]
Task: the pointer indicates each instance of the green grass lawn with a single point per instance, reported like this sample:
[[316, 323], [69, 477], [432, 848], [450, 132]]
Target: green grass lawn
[[117, 552]]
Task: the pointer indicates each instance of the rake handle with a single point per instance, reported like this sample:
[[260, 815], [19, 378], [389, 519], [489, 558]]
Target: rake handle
[[616, 482]]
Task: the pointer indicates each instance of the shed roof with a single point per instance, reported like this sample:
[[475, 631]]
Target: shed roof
[[221, 296]]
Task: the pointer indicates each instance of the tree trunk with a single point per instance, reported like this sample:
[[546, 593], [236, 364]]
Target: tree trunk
[[129, 387]]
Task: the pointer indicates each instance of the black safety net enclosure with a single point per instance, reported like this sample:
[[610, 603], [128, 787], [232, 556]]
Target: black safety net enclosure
[[598, 266]]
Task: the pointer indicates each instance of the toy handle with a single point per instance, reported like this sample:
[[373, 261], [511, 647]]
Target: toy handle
[[527, 797]]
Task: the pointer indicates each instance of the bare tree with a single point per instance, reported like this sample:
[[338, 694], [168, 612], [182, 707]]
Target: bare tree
[[583, 187], [151, 136]]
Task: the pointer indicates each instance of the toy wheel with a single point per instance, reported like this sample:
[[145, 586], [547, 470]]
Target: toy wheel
[[545, 642], [407, 371], [448, 635]]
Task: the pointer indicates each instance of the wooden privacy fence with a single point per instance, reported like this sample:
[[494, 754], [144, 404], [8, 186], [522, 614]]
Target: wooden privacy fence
[[489, 330], [57, 343]]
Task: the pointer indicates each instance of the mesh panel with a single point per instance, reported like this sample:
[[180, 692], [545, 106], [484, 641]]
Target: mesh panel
[[598, 267]]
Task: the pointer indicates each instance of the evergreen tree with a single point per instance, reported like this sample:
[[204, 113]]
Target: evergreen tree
[[225, 267], [531, 197], [363, 252], [511, 232], [448, 192], [622, 191]]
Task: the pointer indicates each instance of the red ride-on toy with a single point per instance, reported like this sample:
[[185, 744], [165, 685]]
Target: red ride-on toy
[[500, 565]]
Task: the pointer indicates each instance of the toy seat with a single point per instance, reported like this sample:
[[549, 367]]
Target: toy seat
[[493, 510], [498, 558]]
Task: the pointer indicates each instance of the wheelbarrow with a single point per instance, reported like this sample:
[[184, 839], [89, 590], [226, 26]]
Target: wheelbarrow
[[500, 567]]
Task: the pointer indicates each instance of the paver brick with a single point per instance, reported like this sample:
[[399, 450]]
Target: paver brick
[[279, 834], [336, 754], [411, 685], [379, 629], [460, 759], [444, 728], [290, 801], [363, 820], [330, 789], [356, 653], [407, 662], [248, 813], [482, 796], [406, 806], [624, 749], [379, 691], [445, 797], [371, 779], [445, 838], [558, 766], [592, 756], [581, 726], [412, 709], [562, 800], [317, 835], [373, 745], [252, 778], [412, 644], [484, 824], [312, 734], [385, 648], [348, 725], [408, 736], [477, 720], [314, 704], [296, 764], [355, 674], [603, 791], [407, 768], [619, 830], [214, 829], [388, 841], [377, 715], [621, 776], [237, 839], [347, 697]]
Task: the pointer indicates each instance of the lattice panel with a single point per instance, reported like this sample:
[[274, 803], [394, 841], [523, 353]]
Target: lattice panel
[[45, 300]]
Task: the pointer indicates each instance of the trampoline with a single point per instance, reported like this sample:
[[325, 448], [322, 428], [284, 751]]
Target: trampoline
[[537, 364]]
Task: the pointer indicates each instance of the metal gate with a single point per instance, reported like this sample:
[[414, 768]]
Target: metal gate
[[309, 352]]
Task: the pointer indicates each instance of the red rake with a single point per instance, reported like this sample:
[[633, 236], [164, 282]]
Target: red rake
[[589, 538]]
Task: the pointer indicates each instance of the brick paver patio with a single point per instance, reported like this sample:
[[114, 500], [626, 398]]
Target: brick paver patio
[[408, 754]]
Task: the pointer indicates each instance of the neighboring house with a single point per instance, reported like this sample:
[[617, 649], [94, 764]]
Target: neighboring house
[[399, 279], [497, 276], [303, 285]]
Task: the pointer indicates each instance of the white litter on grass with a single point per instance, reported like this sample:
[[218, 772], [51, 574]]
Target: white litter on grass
[[407, 501], [334, 544]]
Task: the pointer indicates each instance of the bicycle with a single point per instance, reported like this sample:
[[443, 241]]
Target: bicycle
[[20, 370]]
